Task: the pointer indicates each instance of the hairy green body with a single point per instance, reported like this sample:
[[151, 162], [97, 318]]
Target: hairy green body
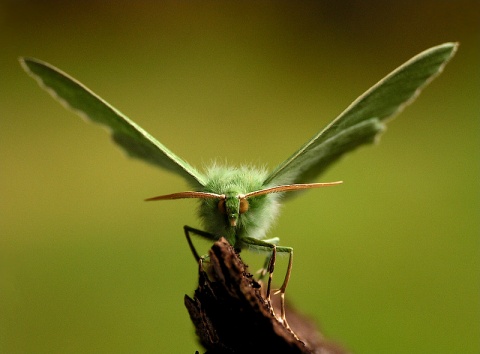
[[232, 182]]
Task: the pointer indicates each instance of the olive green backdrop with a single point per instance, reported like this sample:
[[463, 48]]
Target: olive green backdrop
[[386, 263]]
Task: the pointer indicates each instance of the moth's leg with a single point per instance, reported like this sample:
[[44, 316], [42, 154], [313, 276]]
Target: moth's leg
[[263, 271], [204, 234], [249, 242], [264, 245], [282, 289]]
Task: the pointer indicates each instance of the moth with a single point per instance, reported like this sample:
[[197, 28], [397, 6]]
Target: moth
[[240, 203]]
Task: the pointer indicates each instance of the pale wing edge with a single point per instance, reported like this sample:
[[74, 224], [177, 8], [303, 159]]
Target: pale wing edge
[[354, 110], [126, 133]]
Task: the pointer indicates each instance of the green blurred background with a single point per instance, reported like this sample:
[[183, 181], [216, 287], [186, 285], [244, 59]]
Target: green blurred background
[[386, 263]]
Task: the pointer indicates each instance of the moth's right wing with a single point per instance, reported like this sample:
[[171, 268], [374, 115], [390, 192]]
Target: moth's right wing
[[126, 133]]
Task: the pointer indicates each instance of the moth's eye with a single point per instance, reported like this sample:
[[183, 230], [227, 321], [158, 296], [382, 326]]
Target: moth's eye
[[221, 206], [243, 206]]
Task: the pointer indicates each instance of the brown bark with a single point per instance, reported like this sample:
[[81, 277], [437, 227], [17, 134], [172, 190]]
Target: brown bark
[[231, 315]]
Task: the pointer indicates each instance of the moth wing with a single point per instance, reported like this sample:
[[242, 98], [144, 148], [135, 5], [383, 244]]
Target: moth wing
[[364, 119], [126, 133]]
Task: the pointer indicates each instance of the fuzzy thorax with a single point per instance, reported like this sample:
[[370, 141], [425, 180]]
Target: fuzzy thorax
[[234, 183]]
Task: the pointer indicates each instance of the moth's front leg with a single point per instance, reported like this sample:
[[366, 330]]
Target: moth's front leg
[[269, 266], [204, 234], [264, 270], [253, 243], [282, 289]]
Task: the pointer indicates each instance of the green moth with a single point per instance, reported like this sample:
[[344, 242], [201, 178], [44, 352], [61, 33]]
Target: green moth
[[241, 203]]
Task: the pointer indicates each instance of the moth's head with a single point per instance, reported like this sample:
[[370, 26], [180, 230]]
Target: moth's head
[[222, 210], [232, 206], [231, 210]]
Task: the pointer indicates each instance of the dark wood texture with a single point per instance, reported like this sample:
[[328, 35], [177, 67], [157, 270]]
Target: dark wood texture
[[231, 315]]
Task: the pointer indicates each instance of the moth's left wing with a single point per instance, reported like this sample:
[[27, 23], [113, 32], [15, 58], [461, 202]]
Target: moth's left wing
[[364, 119], [126, 133]]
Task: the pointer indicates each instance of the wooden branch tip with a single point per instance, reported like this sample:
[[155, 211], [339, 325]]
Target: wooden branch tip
[[231, 315]]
